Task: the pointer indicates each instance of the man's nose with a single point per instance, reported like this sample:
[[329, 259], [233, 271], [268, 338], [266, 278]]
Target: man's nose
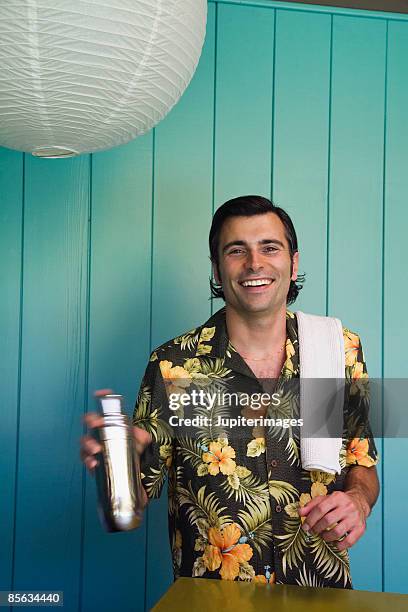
[[254, 261]]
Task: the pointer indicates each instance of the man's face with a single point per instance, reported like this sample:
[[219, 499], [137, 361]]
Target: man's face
[[254, 264]]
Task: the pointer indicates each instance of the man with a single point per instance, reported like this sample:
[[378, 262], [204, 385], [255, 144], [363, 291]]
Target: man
[[240, 504]]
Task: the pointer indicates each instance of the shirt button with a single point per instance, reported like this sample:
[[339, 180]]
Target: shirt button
[[278, 508], [274, 463]]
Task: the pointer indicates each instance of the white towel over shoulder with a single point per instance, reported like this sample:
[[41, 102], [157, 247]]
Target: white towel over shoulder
[[321, 355]]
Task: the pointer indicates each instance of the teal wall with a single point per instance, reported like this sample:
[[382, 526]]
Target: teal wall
[[105, 256]]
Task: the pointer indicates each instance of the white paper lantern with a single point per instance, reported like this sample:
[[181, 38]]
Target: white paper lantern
[[80, 76]]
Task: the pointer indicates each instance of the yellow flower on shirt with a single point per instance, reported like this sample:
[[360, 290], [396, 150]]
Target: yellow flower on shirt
[[166, 453], [317, 488], [207, 333], [256, 447]]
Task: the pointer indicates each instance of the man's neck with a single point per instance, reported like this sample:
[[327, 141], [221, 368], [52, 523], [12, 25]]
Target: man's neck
[[258, 335]]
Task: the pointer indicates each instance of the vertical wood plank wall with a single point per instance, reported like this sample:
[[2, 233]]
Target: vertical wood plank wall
[[104, 257]]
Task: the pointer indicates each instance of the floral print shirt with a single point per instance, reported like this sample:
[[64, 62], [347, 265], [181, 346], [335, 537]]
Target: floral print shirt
[[234, 496]]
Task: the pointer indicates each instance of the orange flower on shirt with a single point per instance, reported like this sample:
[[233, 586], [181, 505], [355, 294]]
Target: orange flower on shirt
[[358, 371], [220, 458], [357, 452], [351, 346], [225, 550], [176, 379], [360, 383], [261, 578]]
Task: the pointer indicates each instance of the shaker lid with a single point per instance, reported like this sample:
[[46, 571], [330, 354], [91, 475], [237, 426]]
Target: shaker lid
[[111, 404]]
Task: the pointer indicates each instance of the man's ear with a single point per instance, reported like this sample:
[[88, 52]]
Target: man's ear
[[295, 265], [216, 274]]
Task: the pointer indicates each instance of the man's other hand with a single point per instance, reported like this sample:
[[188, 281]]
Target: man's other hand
[[338, 517]]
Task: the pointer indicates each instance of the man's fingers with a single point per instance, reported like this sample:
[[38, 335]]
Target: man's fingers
[[89, 449], [337, 532], [93, 419], [102, 392], [89, 446], [304, 511], [142, 435], [353, 536], [322, 504], [145, 499], [91, 463], [142, 439], [332, 516], [328, 521]]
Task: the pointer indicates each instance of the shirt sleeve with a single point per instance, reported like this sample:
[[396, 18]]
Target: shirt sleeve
[[149, 414], [360, 445]]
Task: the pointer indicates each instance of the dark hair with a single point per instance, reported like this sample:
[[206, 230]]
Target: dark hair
[[247, 206]]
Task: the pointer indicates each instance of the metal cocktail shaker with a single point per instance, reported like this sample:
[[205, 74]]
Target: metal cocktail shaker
[[119, 486]]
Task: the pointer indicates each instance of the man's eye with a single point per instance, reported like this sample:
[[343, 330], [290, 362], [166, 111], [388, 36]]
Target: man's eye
[[236, 251], [271, 249]]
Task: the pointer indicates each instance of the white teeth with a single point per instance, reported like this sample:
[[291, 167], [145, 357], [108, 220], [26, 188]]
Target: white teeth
[[256, 283]]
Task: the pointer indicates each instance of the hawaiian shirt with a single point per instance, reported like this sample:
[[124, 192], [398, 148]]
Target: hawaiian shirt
[[233, 496]]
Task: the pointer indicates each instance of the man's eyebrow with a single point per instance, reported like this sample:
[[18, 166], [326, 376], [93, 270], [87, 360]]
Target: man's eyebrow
[[243, 243]]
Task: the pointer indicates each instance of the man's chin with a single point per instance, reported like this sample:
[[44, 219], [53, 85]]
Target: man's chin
[[259, 308]]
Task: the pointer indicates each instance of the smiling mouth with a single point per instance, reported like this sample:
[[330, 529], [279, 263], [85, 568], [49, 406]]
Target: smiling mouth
[[258, 282]]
